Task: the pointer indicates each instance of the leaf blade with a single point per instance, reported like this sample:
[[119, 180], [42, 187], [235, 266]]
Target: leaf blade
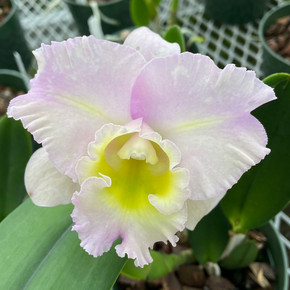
[[40, 240], [15, 151], [139, 12], [174, 35], [210, 237]]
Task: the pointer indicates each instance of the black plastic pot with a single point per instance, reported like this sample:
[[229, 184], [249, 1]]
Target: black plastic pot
[[115, 9], [273, 62], [235, 11], [12, 39]]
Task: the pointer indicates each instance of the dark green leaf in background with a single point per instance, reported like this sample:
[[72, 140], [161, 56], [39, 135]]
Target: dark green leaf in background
[[174, 34], [162, 265], [152, 8], [15, 151], [210, 237], [38, 250], [139, 12], [264, 190], [241, 256]]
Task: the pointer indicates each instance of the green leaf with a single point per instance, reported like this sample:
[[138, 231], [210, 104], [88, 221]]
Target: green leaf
[[139, 12], [242, 256], [152, 8], [264, 190], [38, 250], [162, 265], [210, 237], [15, 150], [174, 34]]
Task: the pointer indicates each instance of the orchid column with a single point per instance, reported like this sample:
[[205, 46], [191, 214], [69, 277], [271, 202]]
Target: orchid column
[[142, 139]]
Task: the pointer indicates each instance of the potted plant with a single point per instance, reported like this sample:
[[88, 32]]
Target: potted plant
[[235, 12], [12, 37], [114, 15], [273, 36], [112, 209]]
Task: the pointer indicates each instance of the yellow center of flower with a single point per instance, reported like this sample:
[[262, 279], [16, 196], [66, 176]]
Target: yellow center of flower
[[137, 167]]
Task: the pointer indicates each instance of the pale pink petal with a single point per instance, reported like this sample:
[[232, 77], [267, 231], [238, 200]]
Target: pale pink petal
[[150, 44], [205, 111], [197, 209], [82, 84], [45, 184], [100, 220]]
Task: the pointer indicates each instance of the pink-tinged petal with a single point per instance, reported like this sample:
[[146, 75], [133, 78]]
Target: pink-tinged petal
[[45, 184], [205, 111], [82, 84], [150, 44], [197, 209], [99, 221]]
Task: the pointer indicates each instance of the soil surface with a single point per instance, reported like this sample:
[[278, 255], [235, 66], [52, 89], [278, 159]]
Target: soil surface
[[278, 37], [258, 276], [5, 7], [7, 94]]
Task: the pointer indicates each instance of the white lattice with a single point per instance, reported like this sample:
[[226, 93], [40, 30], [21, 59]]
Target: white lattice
[[225, 43], [42, 25]]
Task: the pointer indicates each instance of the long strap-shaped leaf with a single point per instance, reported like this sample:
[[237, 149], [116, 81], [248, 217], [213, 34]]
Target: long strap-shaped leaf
[[38, 250], [15, 150]]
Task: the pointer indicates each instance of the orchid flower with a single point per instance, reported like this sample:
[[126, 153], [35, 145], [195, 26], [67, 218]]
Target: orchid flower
[[142, 139]]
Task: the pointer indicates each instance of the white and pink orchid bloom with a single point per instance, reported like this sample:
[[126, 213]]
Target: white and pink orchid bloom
[[144, 140]]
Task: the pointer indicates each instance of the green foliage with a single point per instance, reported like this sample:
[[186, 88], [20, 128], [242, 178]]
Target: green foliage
[[210, 237], [15, 150], [174, 34], [139, 12], [144, 11], [162, 265], [241, 256], [39, 250], [264, 190]]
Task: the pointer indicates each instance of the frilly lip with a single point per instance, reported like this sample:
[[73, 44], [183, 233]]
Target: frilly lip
[[113, 200], [99, 221]]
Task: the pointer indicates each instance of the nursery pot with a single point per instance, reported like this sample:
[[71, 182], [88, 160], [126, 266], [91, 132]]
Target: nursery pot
[[235, 11], [12, 39], [272, 61], [277, 255], [115, 9]]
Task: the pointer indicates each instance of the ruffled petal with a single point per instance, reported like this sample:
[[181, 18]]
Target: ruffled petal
[[150, 44], [45, 185], [205, 111], [100, 220], [81, 84], [197, 209]]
